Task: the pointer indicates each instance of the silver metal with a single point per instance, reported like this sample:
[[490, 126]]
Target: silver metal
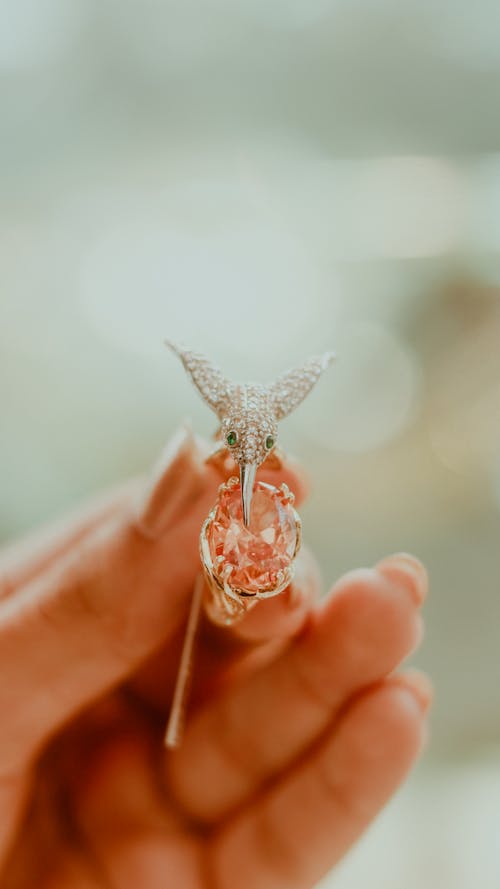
[[173, 732], [247, 480], [249, 412]]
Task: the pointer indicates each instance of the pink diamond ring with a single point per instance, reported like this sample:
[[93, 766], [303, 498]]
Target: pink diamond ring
[[252, 535], [245, 563]]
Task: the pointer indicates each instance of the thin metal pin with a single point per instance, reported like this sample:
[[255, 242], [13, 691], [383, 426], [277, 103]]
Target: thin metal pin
[[247, 480], [175, 725]]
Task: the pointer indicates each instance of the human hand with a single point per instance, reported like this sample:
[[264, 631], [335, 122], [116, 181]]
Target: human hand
[[300, 730]]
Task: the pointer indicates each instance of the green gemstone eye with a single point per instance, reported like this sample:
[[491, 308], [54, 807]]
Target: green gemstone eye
[[269, 442], [231, 438]]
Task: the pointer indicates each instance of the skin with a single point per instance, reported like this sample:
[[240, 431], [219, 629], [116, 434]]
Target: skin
[[300, 728]]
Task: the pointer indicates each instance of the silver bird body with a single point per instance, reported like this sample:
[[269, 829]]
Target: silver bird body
[[249, 412]]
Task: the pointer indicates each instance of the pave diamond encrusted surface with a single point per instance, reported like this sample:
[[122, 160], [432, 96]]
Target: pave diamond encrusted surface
[[249, 412]]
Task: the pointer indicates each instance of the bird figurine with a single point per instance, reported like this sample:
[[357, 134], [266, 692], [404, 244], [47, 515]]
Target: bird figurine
[[249, 412]]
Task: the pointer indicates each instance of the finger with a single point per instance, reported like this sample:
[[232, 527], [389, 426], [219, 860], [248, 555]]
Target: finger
[[295, 832], [14, 793], [23, 560], [92, 617], [240, 740], [66, 870], [74, 871], [126, 824], [261, 636], [283, 615], [86, 622], [224, 655]]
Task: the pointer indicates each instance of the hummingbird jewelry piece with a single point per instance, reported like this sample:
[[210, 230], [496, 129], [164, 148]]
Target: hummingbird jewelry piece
[[249, 540]]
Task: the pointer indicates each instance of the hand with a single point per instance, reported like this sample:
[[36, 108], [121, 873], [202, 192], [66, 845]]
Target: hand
[[300, 729]]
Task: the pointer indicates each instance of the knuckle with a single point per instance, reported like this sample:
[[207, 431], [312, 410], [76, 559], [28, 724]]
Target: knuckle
[[353, 808], [279, 853], [312, 679]]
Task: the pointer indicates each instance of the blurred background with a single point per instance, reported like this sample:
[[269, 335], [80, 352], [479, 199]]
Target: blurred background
[[264, 180]]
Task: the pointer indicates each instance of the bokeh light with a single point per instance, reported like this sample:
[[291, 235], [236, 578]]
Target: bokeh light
[[217, 248], [379, 374], [36, 33], [408, 207]]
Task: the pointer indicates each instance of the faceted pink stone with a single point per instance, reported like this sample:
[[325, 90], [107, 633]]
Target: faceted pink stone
[[259, 552]]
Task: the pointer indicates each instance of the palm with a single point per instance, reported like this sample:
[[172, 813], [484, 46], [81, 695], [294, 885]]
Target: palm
[[99, 784], [289, 752]]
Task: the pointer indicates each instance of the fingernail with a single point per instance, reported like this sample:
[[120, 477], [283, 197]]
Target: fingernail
[[295, 592], [306, 581], [419, 685], [408, 570], [295, 595], [178, 479]]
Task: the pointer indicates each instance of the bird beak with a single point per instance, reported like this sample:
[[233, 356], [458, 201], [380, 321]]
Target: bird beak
[[247, 480]]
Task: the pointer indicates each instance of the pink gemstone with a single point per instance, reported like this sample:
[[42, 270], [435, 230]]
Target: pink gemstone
[[257, 554]]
